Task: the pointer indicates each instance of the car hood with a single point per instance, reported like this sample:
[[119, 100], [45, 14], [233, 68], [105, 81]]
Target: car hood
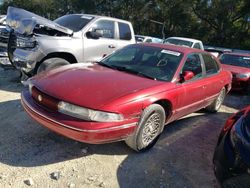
[[91, 85], [236, 69], [24, 22]]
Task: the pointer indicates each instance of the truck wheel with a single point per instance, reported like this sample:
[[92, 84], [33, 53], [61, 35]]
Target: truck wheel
[[215, 106], [51, 63], [149, 128]]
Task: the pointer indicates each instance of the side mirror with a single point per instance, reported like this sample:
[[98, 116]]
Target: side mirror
[[93, 35], [186, 75]]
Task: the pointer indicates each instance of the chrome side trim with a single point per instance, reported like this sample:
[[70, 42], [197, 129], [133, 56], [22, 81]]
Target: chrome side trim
[[24, 101]]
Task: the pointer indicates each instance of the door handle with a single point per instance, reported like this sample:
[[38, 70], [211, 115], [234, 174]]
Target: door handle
[[204, 87], [111, 46]]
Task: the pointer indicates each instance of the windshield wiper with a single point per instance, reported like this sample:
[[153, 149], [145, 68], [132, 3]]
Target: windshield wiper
[[126, 69], [106, 65]]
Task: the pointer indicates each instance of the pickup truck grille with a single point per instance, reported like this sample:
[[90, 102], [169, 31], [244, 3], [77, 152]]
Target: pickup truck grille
[[4, 37]]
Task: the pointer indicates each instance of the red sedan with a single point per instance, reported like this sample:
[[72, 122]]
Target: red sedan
[[129, 95], [239, 65]]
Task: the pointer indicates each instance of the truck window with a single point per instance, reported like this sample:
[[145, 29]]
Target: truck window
[[105, 27], [124, 31], [197, 45], [73, 22]]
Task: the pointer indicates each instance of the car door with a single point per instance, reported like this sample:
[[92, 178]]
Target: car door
[[192, 94], [212, 80], [96, 49]]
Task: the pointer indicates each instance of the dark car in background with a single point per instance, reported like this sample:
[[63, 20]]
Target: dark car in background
[[239, 65], [232, 154]]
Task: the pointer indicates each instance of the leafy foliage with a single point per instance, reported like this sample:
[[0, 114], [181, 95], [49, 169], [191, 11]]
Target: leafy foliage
[[216, 22]]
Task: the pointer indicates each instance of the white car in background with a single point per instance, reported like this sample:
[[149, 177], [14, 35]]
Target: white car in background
[[142, 38], [181, 41]]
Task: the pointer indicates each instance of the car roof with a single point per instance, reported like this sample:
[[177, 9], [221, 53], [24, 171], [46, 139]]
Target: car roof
[[183, 38], [177, 48]]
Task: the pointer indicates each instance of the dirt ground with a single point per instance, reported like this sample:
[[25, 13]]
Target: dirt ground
[[31, 154]]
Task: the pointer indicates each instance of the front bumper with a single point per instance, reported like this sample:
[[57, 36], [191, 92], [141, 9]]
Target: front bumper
[[24, 59], [88, 132], [240, 84]]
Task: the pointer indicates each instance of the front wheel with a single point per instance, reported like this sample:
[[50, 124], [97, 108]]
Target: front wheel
[[149, 128], [215, 106], [51, 63]]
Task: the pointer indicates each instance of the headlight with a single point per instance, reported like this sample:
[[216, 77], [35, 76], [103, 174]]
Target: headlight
[[87, 114], [25, 42], [247, 75]]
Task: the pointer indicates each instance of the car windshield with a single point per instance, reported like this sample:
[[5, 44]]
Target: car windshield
[[235, 60], [146, 61], [178, 42], [74, 22]]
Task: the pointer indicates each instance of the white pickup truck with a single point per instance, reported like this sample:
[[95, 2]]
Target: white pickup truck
[[37, 44], [192, 43]]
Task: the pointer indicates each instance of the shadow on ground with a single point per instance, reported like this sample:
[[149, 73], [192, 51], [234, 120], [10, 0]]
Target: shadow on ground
[[10, 80], [181, 158]]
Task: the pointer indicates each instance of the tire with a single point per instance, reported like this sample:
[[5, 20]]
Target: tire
[[215, 106], [51, 63], [242, 181], [149, 128], [248, 90]]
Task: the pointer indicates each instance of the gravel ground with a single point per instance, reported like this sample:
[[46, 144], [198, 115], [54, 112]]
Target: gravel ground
[[31, 155]]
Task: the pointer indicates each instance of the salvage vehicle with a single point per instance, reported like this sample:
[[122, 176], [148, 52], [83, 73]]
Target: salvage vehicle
[[129, 95], [232, 154], [182, 41], [37, 44], [4, 35], [239, 65]]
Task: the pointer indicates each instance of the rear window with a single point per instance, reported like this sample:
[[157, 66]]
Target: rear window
[[124, 31], [74, 22], [178, 42]]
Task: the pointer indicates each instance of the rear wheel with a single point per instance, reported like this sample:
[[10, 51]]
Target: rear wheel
[[149, 128], [215, 106], [51, 63]]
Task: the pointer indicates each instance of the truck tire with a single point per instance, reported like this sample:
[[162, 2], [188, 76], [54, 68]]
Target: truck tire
[[51, 63], [215, 106], [149, 128]]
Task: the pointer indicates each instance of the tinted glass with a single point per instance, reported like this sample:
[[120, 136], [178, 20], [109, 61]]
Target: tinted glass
[[105, 27], [74, 22], [235, 60], [152, 62], [197, 46], [210, 64], [124, 31], [193, 64], [178, 42], [148, 40]]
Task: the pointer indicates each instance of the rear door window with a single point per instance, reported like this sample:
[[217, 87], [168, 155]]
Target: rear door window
[[211, 64], [124, 31], [106, 28]]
